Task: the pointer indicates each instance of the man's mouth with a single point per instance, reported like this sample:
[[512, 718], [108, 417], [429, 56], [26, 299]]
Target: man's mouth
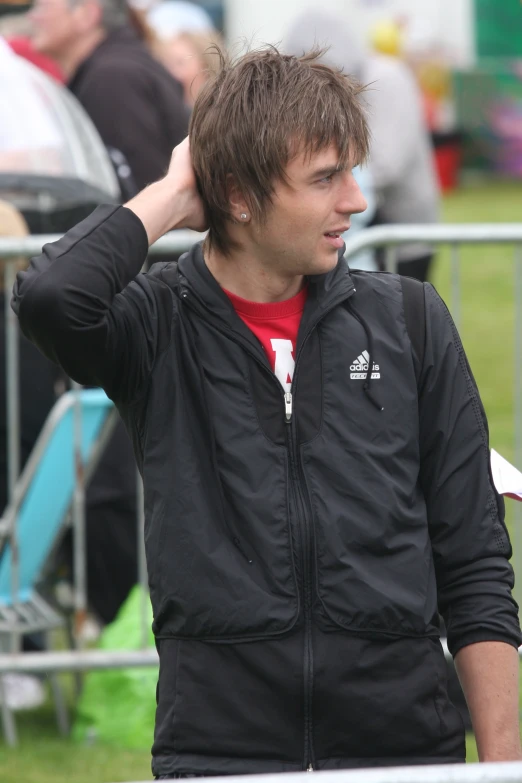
[[336, 233], [334, 239]]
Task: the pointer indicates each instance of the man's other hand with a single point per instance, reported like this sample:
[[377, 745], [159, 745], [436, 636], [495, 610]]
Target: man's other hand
[[183, 181], [172, 202]]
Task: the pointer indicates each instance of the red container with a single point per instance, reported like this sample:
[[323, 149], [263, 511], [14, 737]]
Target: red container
[[448, 155]]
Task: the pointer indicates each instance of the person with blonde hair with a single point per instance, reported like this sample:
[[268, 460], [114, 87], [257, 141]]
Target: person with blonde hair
[[191, 57]]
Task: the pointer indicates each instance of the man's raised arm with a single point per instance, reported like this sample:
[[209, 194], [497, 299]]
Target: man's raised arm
[[70, 301]]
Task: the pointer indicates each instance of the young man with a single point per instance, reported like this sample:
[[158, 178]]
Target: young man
[[310, 505]]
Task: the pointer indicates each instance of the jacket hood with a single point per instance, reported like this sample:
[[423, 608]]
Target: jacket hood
[[317, 29]]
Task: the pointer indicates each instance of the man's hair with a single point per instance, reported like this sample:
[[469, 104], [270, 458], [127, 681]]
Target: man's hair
[[257, 114]]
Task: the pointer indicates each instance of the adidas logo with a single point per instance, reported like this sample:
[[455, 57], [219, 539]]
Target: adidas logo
[[359, 368]]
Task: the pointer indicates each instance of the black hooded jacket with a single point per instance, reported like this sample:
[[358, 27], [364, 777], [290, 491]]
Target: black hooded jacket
[[299, 550]]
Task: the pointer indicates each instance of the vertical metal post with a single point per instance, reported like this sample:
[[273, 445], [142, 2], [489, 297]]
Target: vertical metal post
[[13, 428], [143, 579], [79, 538], [390, 258], [455, 285], [8, 722], [517, 412]]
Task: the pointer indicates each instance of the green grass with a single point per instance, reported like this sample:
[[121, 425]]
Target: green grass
[[487, 331], [487, 309], [42, 756]]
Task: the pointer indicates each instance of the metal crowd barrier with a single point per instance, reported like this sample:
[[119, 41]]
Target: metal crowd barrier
[[11, 249], [499, 772], [176, 242]]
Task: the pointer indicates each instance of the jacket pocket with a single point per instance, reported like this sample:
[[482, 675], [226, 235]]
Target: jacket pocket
[[373, 554], [226, 576], [242, 700], [380, 699]]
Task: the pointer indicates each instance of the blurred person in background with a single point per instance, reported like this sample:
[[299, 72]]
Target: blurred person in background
[[135, 104], [364, 259], [16, 27], [22, 109], [191, 59], [169, 18], [185, 37], [401, 157]]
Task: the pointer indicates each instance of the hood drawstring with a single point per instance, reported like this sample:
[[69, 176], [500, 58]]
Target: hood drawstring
[[368, 380]]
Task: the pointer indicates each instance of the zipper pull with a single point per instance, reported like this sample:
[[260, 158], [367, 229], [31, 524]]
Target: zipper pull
[[288, 407], [310, 768]]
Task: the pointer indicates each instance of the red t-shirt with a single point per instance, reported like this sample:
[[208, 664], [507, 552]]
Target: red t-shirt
[[275, 325]]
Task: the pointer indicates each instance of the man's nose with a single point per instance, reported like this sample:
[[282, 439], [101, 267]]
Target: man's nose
[[352, 201]]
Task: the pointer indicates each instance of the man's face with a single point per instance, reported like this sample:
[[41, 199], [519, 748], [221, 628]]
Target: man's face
[[55, 24], [316, 201]]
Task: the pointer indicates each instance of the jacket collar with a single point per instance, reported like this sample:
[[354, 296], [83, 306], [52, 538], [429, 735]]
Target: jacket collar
[[324, 290]]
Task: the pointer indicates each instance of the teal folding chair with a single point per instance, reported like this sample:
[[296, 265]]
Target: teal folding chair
[[42, 501]]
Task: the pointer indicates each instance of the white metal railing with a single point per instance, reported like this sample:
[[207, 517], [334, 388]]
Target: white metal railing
[[499, 772]]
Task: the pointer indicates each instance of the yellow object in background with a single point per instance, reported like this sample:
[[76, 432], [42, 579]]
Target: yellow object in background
[[386, 37]]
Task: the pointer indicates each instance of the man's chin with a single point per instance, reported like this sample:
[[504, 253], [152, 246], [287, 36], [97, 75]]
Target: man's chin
[[324, 264]]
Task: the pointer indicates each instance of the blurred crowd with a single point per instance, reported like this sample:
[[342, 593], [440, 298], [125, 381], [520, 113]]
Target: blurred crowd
[[136, 71]]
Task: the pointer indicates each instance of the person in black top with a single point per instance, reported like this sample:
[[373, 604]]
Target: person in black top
[[134, 102], [301, 539]]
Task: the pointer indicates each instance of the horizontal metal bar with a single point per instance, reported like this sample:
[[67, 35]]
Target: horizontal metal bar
[[182, 240], [492, 772], [454, 233], [173, 242], [75, 661]]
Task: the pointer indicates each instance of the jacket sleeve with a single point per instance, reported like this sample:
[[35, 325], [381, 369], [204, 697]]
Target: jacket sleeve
[[471, 547], [77, 304]]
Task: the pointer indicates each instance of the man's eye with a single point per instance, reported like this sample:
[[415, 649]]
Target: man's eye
[[327, 179]]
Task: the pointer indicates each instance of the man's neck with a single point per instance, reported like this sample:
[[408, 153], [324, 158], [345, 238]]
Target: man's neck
[[248, 278], [70, 61]]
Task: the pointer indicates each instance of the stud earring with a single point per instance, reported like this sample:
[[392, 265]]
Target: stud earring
[[243, 216]]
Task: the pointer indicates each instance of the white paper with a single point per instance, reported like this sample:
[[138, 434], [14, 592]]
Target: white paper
[[506, 478]]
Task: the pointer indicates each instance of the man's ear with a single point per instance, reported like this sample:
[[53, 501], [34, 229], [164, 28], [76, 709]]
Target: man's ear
[[239, 209]]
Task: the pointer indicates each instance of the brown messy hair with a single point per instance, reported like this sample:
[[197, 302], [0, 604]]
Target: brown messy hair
[[259, 112]]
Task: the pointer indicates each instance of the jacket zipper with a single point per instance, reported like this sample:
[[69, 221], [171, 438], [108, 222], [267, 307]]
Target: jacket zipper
[[308, 549], [306, 538], [304, 522]]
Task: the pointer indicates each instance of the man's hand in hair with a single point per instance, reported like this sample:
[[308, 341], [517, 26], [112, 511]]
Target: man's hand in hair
[[172, 202]]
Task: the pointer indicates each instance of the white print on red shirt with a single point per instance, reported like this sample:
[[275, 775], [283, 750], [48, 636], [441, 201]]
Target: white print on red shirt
[[284, 362]]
